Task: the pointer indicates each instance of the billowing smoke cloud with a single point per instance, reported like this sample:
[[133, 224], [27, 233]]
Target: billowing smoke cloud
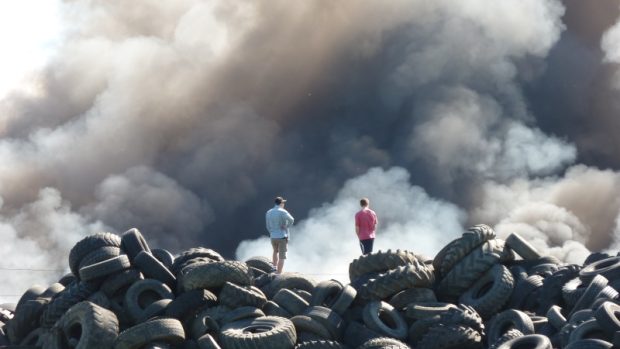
[[186, 118]]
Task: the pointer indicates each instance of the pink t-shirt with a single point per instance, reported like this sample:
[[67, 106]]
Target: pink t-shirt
[[366, 220]]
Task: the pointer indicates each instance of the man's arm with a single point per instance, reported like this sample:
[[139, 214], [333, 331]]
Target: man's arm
[[357, 225]]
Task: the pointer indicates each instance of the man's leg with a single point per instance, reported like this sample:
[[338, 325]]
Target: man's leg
[[282, 248], [274, 256], [366, 246]]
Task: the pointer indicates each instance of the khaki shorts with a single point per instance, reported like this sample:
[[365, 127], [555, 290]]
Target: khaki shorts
[[280, 245]]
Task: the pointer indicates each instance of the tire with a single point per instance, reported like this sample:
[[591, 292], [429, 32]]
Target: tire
[[412, 295], [89, 244], [208, 321], [471, 268], [88, 325], [420, 328], [69, 297], [489, 294], [240, 314], [510, 335], [307, 324], [321, 344], [25, 320], [507, 320], [551, 291], [143, 293], [99, 255], [192, 253], [190, 303], [326, 292], [261, 263], [152, 268], [384, 343], [595, 287], [421, 311], [272, 308], [590, 343], [292, 281], [235, 296], [383, 318], [588, 329], [207, 342], [380, 262], [328, 318], [443, 337], [462, 315], [531, 341], [523, 248], [154, 309], [262, 333], [133, 242], [556, 319], [290, 301], [396, 280], [607, 317], [458, 248], [523, 289], [118, 281], [214, 275], [357, 334], [344, 300], [162, 329], [105, 268], [164, 256], [608, 267]]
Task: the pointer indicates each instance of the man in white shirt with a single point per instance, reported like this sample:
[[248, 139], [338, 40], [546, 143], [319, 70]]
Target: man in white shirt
[[278, 220]]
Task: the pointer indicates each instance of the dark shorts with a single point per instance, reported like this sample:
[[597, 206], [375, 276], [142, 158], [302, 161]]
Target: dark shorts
[[366, 245]]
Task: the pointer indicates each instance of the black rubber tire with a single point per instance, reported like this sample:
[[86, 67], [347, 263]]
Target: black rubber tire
[[471, 268], [458, 248], [88, 325], [510, 335], [326, 292], [272, 308], [164, 256], [383, 318], [523, 248], [152, 268], [595, 287], [344, 299], [589, 329], [531, 341], [489, 293], [292, 281], [69, 297], [25, 320], [523, 289], [240, 314], [384, 343], [155, 309], [261, 333], [290, 301], [396, 280], [507, 320], [214, 275], [589, 343], [193, 253], [357, 334], [261, 263], [556, 318], [189, 303], [162, 329], [133, 242], [208, 321], [328, 318], [607, 317], [99, 255], [89, 244], [143, 293], [462, 315], [320, 344], [412, 295], [419, 311], [207, 342], [380, 262], [119, 281], [608, 267], [235, 296], [445, 337], [550, 293], [307, 324], [104, 268], [419, 328]]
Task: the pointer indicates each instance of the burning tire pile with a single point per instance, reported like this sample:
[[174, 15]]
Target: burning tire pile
[[478, 292]]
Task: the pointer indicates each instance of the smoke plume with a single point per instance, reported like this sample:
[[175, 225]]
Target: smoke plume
[[184, 119]]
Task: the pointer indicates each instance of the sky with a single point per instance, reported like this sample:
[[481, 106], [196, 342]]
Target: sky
[[185, 119]]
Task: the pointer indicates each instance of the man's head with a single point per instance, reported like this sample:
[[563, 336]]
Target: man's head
[[364, 202], [280, 201]]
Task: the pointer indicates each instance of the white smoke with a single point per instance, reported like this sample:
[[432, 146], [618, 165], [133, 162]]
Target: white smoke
[[324, 244]]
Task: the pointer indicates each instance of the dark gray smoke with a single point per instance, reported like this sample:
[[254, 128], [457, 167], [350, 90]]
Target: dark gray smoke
[[186, 118]]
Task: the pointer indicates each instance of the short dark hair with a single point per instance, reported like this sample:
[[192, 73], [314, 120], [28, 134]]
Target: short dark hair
[[364, 202], [279, 200]]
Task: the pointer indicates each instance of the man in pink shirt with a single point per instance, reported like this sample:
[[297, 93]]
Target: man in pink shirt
[[365, 225]]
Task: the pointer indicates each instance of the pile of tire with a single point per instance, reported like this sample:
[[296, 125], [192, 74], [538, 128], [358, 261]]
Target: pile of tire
[[478, 292]]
